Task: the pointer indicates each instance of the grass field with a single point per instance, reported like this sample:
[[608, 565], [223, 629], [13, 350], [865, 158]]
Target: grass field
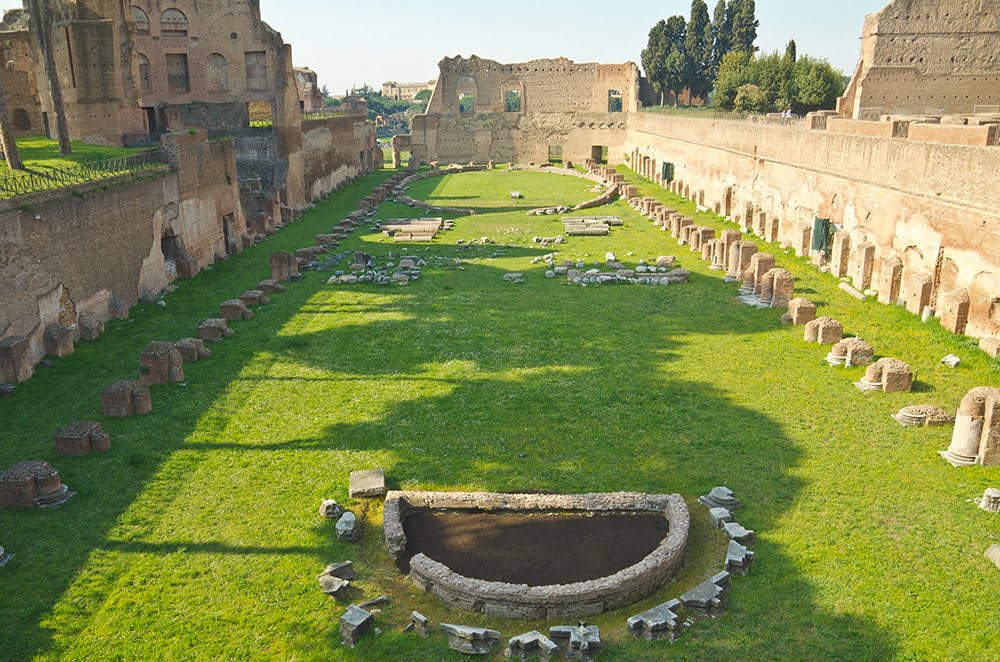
[[40, 154], [198, 537]]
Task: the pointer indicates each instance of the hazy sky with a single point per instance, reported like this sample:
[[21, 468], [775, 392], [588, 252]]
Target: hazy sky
[[350, 42]]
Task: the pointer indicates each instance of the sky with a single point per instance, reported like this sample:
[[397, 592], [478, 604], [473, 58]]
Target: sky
[[352, 43]]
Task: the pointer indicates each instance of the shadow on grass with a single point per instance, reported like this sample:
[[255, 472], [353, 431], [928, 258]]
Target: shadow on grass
[[581, 381], [52, 546], [568, 389]]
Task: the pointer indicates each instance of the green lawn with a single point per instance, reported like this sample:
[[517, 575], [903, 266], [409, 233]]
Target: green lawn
[[40, 154], [198, 537]]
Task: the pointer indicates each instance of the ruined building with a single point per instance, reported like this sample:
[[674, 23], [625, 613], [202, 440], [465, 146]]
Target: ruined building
[[906, 209], [310, 93], [482, 110], [927, 57], [17, 76]]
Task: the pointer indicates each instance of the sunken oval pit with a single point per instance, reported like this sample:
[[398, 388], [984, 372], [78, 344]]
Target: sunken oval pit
[[644, 575]]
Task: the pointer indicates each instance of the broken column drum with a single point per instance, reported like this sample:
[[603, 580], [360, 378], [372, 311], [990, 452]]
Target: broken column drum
[[971, 426], [31, 484]]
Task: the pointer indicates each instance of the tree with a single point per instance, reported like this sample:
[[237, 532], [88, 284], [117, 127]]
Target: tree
[[654, 58], [423, 95], [722, 35], [745, 25], [750, 99], [698, 50], [7, 142], [734, 72], [675, 67], [41, 18], [817, 83], [791, 51]]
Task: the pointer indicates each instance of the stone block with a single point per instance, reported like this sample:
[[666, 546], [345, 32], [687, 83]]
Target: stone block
[[530, 645], [738, 557], [89, 326], [270, 287], [161, 363], [993, 554], [234, 310], [30, 484], [284, 266], [330, 509], [824, 330], [840, 256], [369, 483], [58, 340], [802, 311], [709, 597], [851, 352], [342, 570], [917, 291], [737, 532], [888, 375], [82, 438], [126, 398], [255, 298], [720, 497], [991, 346], [889, 279], [214, 330], [16, 361], [659, 622], [334, 586], [955, 311], [419, 624], [354, 624], [578, 642], [470, 640], [348, 529], [193, 350], [990, 501]]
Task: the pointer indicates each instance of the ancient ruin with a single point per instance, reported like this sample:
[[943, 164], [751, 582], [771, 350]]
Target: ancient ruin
[[32, 484]]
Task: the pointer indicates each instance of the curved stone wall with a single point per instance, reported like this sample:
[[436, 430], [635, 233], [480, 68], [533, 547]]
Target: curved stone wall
[[551, 602]]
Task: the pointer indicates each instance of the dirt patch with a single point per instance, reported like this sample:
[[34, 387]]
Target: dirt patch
[[532, 549]]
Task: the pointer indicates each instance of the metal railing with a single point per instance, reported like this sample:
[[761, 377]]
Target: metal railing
[[30, 181]]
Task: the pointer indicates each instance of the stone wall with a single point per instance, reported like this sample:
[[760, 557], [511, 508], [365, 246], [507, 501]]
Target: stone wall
[[927, 57], [75, 250], [552, 602], [925, 215], [564, 110], [335, 151]]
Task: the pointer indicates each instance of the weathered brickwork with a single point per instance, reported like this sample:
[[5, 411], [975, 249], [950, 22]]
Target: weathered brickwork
[[917, 234], [525, 112], [124, 244], [927, 57]]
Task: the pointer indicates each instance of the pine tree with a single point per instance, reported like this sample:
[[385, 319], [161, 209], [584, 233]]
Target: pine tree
[[695, 44], [654, 58], [722, 34], [745, 26], [791, 51], [676, 63]]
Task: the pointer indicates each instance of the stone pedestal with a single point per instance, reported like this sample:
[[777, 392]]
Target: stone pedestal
[[955, 311], [284, 266], [270, 287], [367, 484], [851, 352], [887, 375], [469, 640], [234, 310], [976, 438], [801, 311], [161, 363], [126, 398], [16, 361], [89, 326], [354, 623], [824, 330], [740, 253], [32, 484], [990, 501], [531, 645], [578, 642], [214, 330], [255, 298], [82, 438], [58, 340], [193, 350], [657, 623]]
